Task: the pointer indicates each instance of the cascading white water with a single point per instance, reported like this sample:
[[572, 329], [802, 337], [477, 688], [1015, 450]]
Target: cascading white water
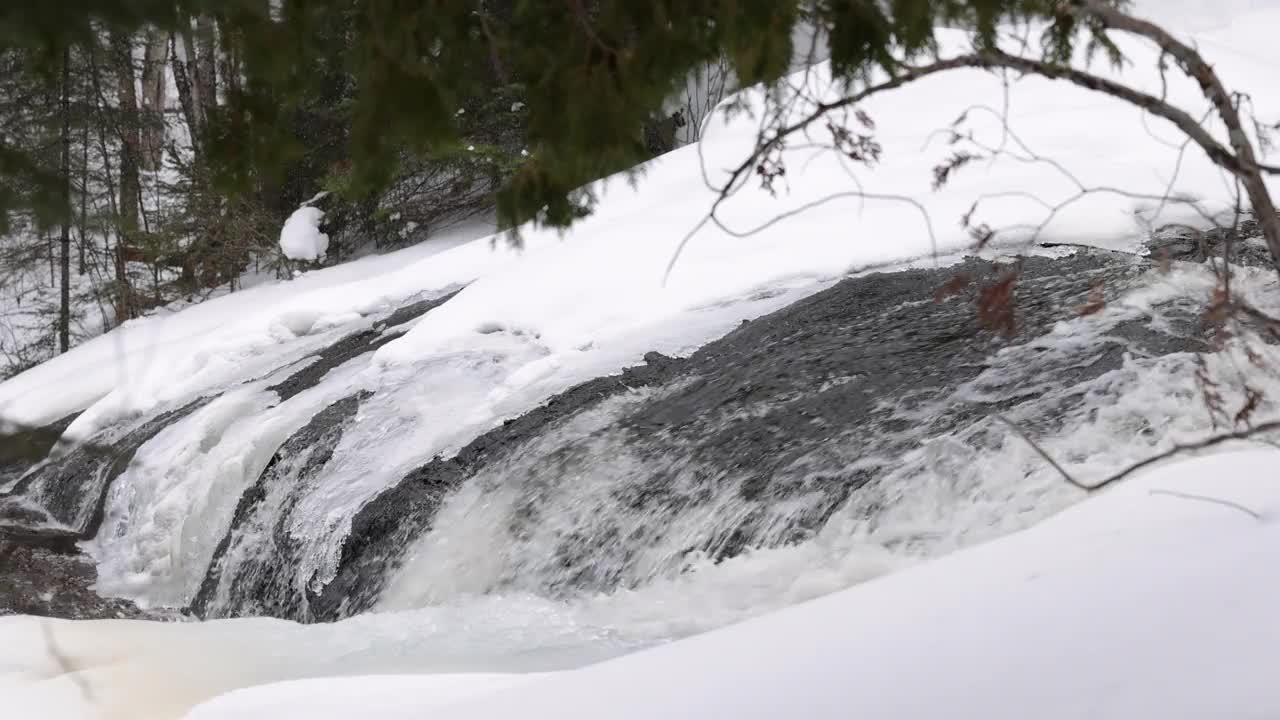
[[168, 511], [541, 541], [499, 537]]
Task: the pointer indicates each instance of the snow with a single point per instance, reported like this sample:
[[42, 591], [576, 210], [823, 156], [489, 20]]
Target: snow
[[148, 354], [300, 238], [386, 696], [1155, 599], [140, 670]]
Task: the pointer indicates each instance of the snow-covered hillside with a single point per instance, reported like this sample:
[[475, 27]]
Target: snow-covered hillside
[[274, 433], [619, 255]]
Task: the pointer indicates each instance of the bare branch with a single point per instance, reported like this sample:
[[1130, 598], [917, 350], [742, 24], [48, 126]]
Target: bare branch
[[1205, 498], [1244, 162], [1181, 449], [1244, 434], [1043, 453]]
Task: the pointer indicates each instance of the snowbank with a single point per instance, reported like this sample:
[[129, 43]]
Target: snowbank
[[1155, 599], [135, 670], [386, 696]]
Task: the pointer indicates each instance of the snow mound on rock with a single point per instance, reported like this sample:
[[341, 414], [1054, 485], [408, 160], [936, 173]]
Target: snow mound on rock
[[300, 238]]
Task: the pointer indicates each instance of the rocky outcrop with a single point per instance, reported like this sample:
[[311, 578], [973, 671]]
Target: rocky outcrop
[[38, 580]]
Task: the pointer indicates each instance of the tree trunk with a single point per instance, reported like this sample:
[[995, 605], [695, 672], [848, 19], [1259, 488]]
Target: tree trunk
[[228, 64], [206, 64], [186, 96], [81, 266], [188, 82], [130, 141], [64, 309], [52, 254], [123, 293], [154, 91]]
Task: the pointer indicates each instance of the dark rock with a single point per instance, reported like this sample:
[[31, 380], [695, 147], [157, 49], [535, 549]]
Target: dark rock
[[22, 449], [243, 577], [1244, 242], [69, 492], [37, 580]]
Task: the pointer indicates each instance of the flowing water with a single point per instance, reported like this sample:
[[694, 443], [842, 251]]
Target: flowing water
[[849, 434]]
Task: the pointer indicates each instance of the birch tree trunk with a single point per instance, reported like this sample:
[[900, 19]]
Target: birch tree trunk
[[186, 90]]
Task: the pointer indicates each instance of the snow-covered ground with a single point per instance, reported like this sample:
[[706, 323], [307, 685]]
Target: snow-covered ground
[[1101, 611]]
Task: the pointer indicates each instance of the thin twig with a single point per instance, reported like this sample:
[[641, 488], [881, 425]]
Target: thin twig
[[1041, 451], [1180, 449], [1205, 498], [64, 663]]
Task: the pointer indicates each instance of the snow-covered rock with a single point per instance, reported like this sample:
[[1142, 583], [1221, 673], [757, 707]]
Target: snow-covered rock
[[300, 238]]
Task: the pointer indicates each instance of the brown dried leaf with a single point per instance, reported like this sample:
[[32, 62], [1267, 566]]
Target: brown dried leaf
[[1219, 309], [982, 235], [996, 305], [1096, 302], [955, 286], [1254, 358], [1213, 401], [943, 171]]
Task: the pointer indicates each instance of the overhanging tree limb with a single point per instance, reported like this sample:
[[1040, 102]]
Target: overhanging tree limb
[[1248, 170], [1238, 159]]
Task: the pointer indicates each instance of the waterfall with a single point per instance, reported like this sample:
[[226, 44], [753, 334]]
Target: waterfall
[[839, 437]]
